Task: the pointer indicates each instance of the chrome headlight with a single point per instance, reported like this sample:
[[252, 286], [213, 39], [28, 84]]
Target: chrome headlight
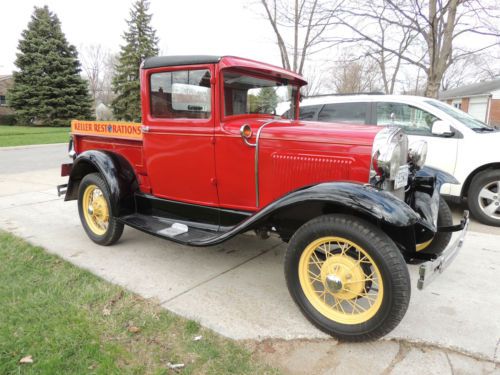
[[390, 150], [417, 154]]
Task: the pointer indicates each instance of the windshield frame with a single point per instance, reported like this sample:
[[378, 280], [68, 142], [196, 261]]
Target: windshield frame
[[458, 115], [294, 99]]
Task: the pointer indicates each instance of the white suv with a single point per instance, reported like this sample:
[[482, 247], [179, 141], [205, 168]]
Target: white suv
[[457, 143]]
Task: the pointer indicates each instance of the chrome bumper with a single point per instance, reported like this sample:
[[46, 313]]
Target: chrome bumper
[[428, 271]]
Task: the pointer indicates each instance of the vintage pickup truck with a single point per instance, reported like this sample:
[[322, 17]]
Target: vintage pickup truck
[[212, 160]]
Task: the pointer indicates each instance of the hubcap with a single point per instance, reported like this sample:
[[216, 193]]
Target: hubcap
[[334, 283], [489, 199], [341, 280]]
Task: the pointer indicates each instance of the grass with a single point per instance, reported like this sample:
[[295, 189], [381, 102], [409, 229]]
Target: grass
[[30, 135], [72, 322]]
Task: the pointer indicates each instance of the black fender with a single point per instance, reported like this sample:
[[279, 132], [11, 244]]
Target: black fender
[[117, 172], [294, 209], [440, 177]]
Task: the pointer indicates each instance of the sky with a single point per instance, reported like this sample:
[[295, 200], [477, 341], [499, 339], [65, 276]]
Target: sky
[[218, 27]]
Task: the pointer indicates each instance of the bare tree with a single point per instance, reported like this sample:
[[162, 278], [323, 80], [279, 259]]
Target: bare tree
[[432, 29], [98, 67], [299, 26], [353, 75]]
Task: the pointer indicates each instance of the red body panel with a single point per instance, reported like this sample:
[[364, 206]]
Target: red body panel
[[206, 161]]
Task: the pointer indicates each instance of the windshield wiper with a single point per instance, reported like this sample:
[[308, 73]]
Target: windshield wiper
[[484, 129]]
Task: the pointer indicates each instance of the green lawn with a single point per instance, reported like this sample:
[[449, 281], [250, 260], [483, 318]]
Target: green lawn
[[30, 135], [71, 322]]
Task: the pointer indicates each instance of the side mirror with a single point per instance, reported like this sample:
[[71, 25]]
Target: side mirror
[[442, 129]]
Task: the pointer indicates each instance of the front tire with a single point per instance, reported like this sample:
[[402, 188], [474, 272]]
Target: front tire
[[95, 210], [438, 243], [484, 197], [348, 277]]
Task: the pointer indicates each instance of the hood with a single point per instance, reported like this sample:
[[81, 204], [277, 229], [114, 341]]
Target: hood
[[321, 132]]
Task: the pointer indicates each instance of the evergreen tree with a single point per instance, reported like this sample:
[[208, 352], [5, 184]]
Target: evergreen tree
[[48, 88], [267, 100], [141, 42]]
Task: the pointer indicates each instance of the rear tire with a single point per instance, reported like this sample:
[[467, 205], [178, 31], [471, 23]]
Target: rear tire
[[484, 196], [337, 263], [96, 212]]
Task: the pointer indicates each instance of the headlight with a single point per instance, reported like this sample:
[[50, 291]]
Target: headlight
[[417, 154], [389, 152]]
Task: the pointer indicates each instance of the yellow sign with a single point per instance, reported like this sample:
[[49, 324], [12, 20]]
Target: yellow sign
[[112, 129]]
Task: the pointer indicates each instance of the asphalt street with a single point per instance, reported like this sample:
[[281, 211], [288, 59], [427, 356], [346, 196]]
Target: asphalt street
[[238, 288]]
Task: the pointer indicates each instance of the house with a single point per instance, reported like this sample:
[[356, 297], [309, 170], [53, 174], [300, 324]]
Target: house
[[5, 83], [481, 100]]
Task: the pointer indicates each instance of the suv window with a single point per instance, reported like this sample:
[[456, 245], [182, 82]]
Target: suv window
[[411, 119], [309, 112], [347, 113], [181, 94]]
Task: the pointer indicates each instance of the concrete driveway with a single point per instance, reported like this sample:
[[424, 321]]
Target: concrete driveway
[[238, 288]]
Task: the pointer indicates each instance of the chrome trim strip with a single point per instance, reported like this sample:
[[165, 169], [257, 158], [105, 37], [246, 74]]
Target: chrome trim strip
[[257, 138]]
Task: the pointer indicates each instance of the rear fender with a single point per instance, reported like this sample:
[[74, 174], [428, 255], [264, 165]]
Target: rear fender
[[117, 172]]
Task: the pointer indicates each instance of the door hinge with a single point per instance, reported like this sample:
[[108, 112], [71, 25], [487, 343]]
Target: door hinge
[[213, 181]]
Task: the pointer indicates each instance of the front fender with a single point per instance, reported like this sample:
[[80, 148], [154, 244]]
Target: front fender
[[117, 172], [440, 177], [307, 203]]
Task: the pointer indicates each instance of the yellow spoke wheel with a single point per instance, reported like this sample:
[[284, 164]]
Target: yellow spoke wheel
[[341, 280], [95, 210]]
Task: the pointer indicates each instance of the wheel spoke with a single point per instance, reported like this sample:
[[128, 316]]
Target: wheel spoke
[[491, 208], [487, 194]]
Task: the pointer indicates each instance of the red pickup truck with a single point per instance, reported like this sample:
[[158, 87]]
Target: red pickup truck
[[212, 160]]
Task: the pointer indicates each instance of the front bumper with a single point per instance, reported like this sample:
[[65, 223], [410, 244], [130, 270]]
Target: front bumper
[[429, 270]]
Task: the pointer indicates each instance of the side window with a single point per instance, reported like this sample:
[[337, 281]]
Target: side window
[[309, 112], [347, 113], [411, 119], [181, 94]]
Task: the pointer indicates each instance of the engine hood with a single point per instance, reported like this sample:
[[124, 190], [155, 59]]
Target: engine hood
[[318, 132]]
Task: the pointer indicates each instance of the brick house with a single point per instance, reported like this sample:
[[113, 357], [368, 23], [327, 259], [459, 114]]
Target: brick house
[[481, 100], [5, 83]]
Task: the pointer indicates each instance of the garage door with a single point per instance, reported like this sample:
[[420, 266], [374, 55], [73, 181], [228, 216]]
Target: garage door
[[478, 108]]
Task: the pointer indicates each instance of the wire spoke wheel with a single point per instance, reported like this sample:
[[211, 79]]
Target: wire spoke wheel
[[96, 211], [341, 280]]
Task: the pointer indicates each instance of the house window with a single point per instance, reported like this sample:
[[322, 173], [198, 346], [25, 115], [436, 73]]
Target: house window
[[2, 100], [457, 105]]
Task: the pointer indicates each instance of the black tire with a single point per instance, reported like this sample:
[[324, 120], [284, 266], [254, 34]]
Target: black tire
[[114, 229], [387, 258], [481, 180], [441, 239]]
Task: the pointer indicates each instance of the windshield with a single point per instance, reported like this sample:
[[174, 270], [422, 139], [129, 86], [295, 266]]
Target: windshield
[[249, 94], [459, 115]]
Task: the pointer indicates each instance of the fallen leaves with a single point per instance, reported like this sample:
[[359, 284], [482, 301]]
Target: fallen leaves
[[26, 360], [133, 329]]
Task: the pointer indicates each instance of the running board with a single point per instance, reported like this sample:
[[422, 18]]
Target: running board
[[177, 231]]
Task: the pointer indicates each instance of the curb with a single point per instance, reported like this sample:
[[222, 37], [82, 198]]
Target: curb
[[30, 146]]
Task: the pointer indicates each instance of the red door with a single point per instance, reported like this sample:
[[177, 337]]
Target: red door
[[178, 127]]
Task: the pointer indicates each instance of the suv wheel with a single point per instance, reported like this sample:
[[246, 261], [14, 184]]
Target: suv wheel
[[484, 197]]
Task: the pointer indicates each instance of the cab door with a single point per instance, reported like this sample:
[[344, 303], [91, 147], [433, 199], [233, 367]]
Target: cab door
[[178, 130], [417, 124]]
